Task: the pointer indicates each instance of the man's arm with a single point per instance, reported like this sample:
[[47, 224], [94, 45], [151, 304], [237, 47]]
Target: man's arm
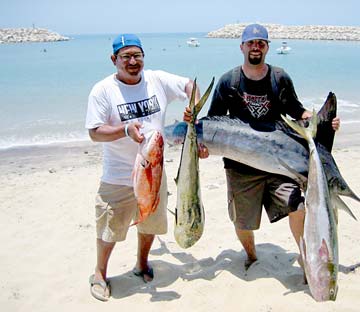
[[107, 133]]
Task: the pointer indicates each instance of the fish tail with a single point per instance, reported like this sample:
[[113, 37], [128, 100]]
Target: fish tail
[[340, 204], [192, 98], [325, 133], [141, 219], [203, 99], [307, 133], [143, 215], [135, 223]]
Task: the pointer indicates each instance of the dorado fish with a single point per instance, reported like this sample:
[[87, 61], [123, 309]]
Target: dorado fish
[[147, 174], [189, 213], [319, 244]]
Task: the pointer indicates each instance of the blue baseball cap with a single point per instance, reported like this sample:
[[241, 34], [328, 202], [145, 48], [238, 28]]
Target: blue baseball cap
[[126, 40], [254, 32]]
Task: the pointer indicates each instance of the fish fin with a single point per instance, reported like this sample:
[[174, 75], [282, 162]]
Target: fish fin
[[135, 223], [307, 133], [334, 179], [203, 99], [345, 190], [349, 193], [325, 132], [178, 171], [141, 219], [340, 204], [192, 98], [148, 172], [302, 180], [324, 251]]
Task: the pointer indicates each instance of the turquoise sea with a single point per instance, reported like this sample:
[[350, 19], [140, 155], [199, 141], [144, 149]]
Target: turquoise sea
[[44, 86]]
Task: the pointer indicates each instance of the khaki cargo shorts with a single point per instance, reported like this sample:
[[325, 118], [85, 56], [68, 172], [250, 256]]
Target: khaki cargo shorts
[[116, 208], [247, 194]]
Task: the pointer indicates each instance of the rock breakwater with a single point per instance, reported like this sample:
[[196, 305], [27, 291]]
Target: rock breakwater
[[308, 32], [17, 35]]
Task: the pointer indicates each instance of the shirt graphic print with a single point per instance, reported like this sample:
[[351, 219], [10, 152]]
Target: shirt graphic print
[[258, 105], [139, 109]]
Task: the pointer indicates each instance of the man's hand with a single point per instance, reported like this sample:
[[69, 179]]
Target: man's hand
[[133, 131], [187, 114], [335, 123], [203, 151]]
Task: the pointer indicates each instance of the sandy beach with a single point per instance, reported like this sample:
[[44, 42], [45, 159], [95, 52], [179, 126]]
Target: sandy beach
[[48, 243]]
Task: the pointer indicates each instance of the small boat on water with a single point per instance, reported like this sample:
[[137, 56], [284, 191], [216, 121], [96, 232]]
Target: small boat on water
[[193, 42], [284, 49]]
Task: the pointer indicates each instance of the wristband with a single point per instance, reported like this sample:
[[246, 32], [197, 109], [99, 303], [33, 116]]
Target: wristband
[[126, 130]]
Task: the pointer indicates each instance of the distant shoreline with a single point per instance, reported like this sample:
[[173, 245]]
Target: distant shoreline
[[307, 32], [19, 35]]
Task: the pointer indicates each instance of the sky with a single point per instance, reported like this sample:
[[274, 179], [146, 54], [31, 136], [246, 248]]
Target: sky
[[153, 16]]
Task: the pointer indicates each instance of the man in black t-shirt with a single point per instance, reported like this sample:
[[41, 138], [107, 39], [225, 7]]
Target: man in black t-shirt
[[253, 98]]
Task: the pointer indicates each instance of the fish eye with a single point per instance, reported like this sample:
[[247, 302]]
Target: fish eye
[[332, 293], [145, 163]]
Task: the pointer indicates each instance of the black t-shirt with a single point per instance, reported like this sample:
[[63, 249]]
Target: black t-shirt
[[254, 101]]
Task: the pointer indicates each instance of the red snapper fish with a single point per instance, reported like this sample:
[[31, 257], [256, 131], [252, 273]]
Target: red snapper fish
[[147, 174]]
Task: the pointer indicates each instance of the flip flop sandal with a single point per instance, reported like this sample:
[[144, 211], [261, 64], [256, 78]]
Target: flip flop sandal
[[100, 289], [143, 273]]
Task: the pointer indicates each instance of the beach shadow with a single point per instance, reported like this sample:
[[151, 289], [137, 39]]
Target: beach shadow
[[274, 262], [128, 284], [349, 269]]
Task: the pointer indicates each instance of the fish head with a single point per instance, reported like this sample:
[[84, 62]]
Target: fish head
[[175, 133], [152, 148], [323, 276], [324, 286]]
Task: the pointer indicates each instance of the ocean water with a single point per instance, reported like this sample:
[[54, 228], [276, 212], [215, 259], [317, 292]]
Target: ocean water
[[43, 95]]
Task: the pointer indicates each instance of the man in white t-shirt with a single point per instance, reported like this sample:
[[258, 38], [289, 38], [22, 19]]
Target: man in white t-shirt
[[121, 108]]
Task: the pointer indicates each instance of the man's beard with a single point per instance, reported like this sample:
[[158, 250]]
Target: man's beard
[[255, 60]]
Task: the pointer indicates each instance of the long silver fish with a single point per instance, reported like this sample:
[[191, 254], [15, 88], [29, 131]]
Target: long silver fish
[[271, 147], [319, 244], [189, 213]]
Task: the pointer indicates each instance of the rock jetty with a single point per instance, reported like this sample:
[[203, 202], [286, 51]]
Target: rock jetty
[[309, 32], [16, 35]]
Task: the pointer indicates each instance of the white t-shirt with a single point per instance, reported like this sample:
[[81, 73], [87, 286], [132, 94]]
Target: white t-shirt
[[112, 102]]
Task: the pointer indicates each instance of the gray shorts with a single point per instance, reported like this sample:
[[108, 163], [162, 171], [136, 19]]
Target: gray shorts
[[247, 194], [116, 208]]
